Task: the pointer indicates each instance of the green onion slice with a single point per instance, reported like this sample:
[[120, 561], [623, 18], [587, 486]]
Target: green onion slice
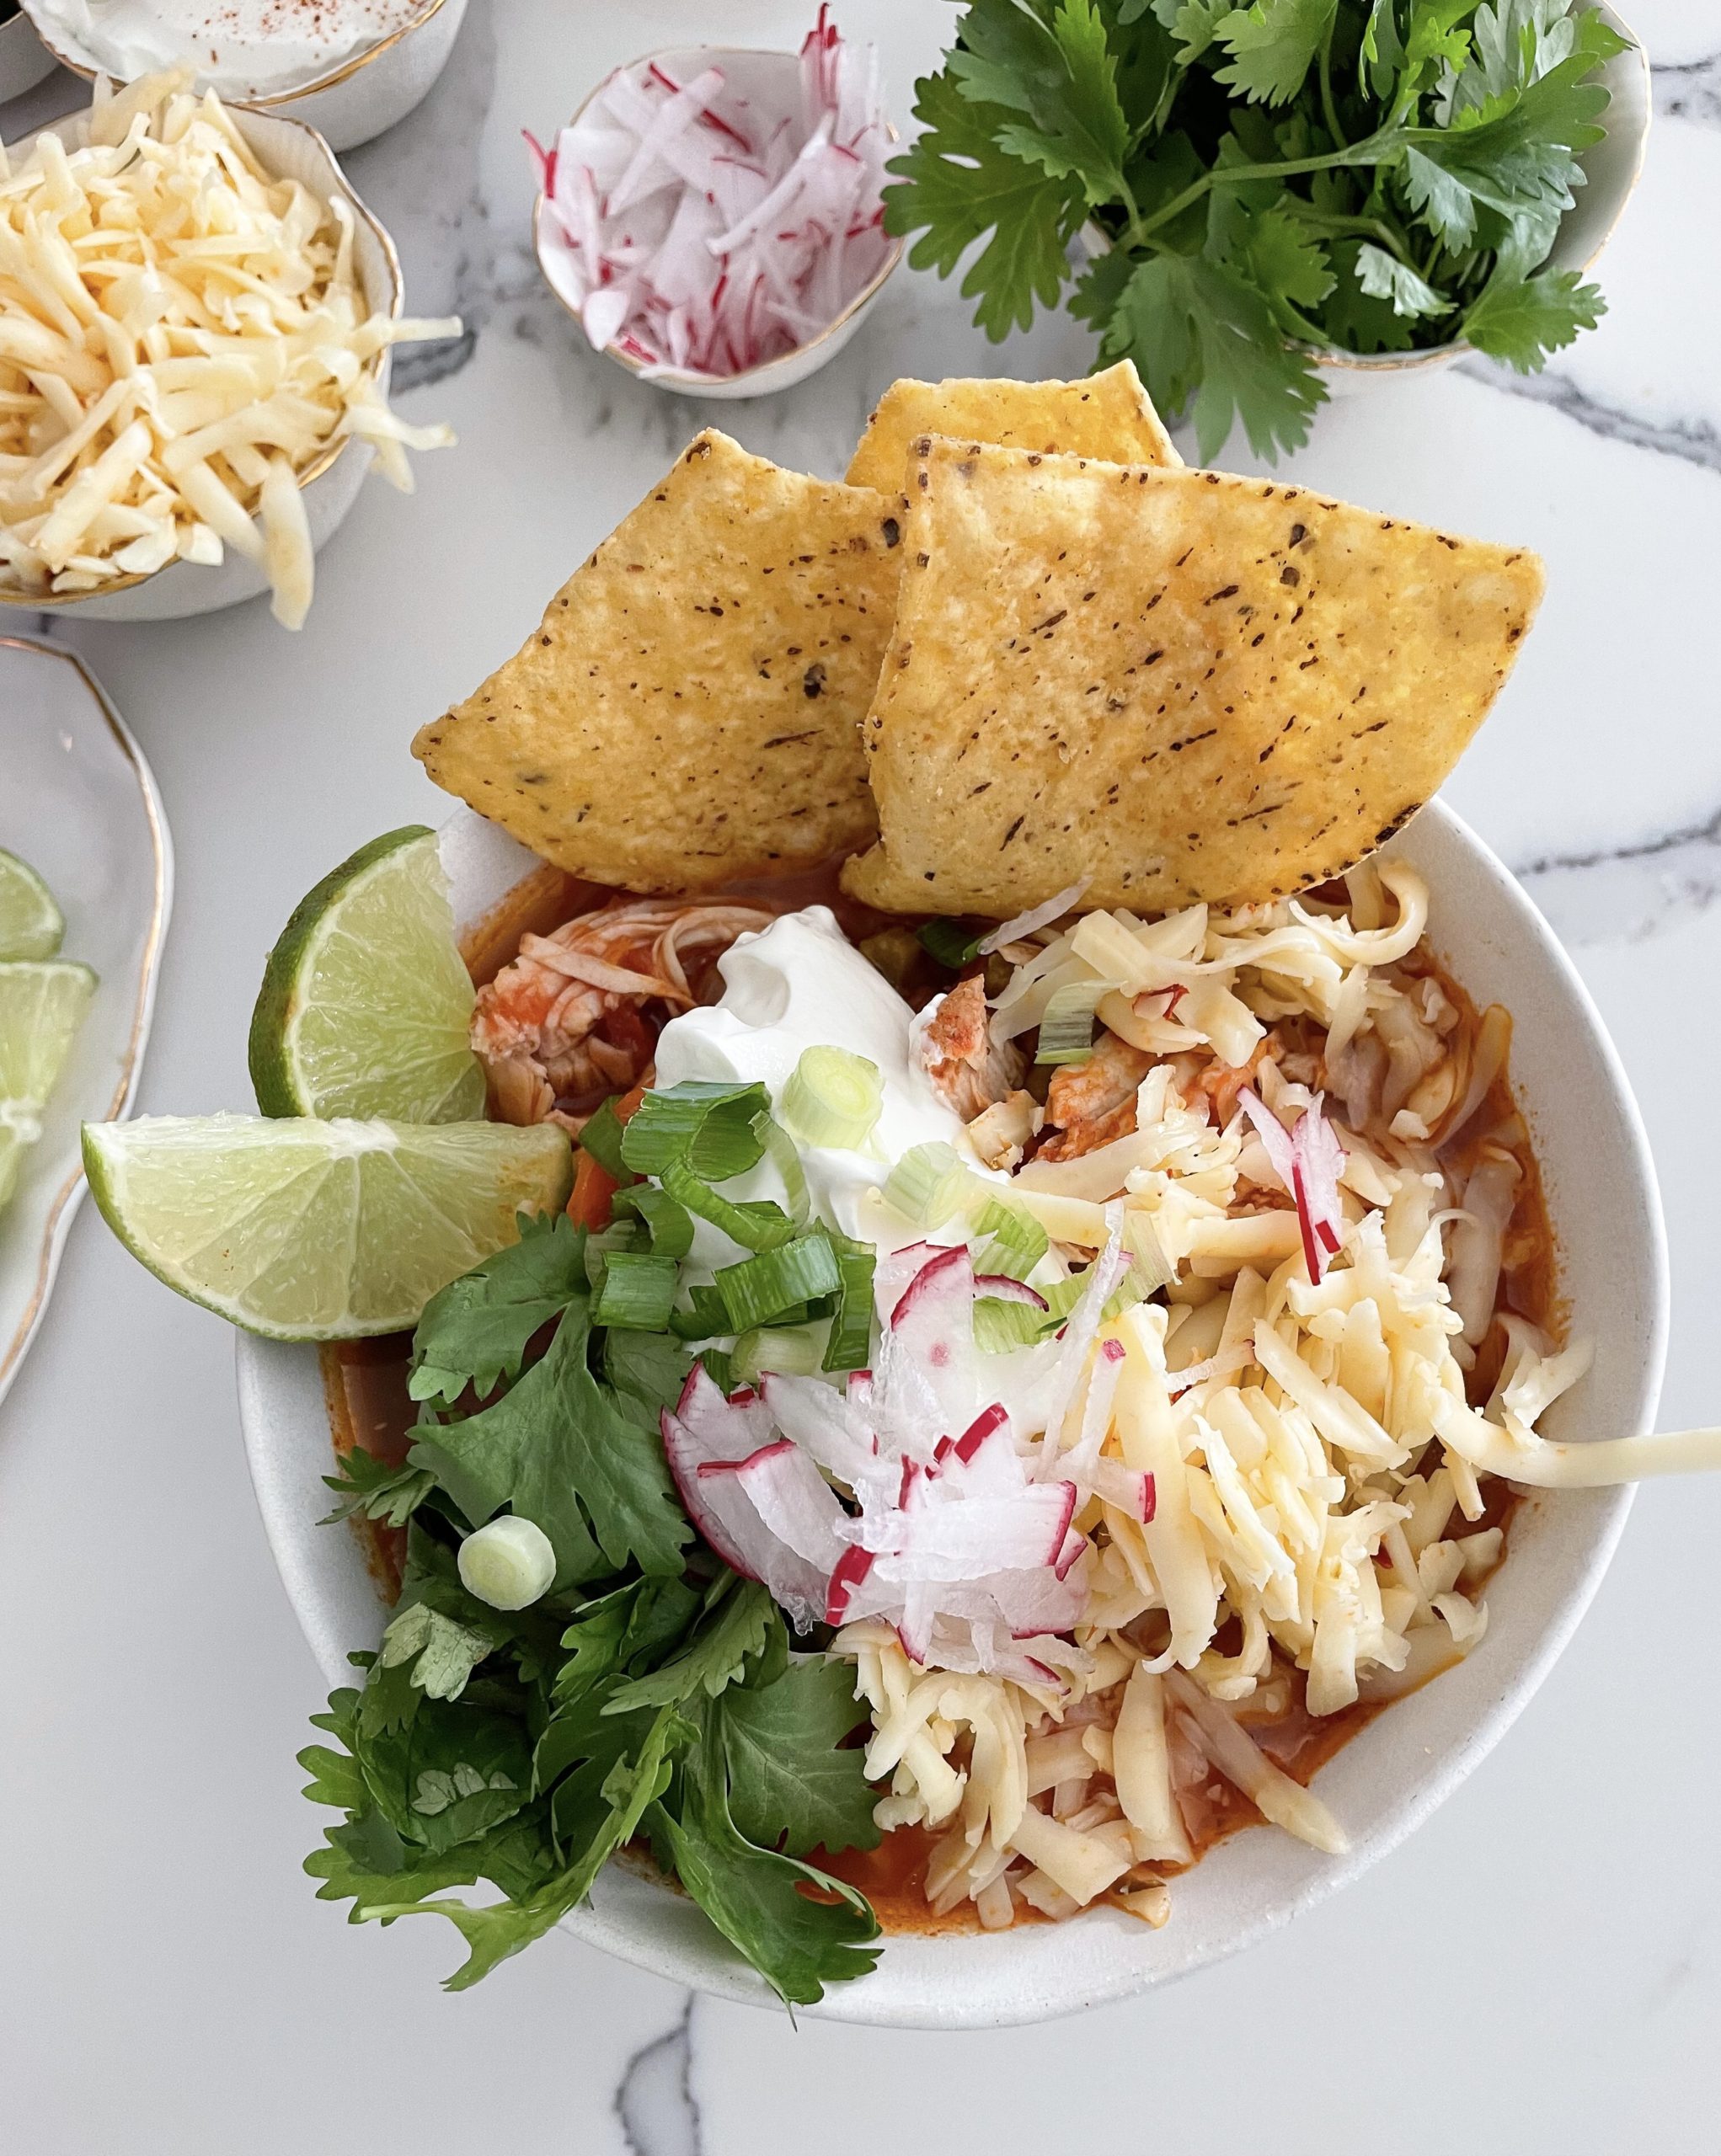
[[666, 1221], [791, 1351], [950, 943], [929, 1185], [756, 1224], [762, 1290], [1016, 1242], [850, 1346], [705, 1317], [833, 1099], [1000, 1326], [787, 1161], [1066, 1030], [718, 1367], [601, 1137], [707, 1124], [638, 1292]]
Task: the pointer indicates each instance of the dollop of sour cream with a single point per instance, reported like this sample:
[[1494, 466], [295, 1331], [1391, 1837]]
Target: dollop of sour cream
[[240, 48], [801, 983], [798, 985]]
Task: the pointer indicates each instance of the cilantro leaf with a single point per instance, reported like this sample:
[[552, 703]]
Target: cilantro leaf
[[1273, 45], [1384, 277], [1202, 337], [439, 1652], [754, 1896], [1060, 76], [558, 1450], [790, 1779], [1356, 320], [1383, 46], [476, 1332], [955, 187], [369, 1489], [1195, 23], [608, 1816], [744, 1624], [1522, 321]]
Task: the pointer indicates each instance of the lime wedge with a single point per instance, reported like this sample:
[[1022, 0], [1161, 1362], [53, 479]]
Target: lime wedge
[[41, 1008], [31, 924], [318, 1231], [366, 1003]]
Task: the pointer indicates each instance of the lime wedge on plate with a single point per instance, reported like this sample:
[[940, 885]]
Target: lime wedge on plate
[[365, 1002], [41, 1008], [31, 924], [310, 1231]]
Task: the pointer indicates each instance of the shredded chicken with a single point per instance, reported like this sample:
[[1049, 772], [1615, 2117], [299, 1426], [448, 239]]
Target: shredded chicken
[[568, 1022], [959, 1056], [1092, 1102]]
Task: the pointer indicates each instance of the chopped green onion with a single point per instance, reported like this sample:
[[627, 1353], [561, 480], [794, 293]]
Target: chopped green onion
[[508, 1563], [601, 1137], [929, 1185], [850, 1346], [1016, 1241], [762, 1290], [950, 943], [1066, 1029], [787, 1161], [1061, 1298], [1141, 1235], [706, 1318], [1000, 1326], [601, 1244], [790, 1351], [638, 1292], [718, 1367], [707, 1124], [756, 1224], [833, 1099], [666, 1221]]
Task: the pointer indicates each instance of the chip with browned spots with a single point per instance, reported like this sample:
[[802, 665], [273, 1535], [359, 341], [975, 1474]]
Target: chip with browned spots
[[1108, 415], [688, 711], [1173, 685]]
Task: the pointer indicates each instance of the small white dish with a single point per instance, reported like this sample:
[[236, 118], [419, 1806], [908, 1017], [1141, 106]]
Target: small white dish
[[331, 483], [79, 804], [347, 104], [1607, 1216], [24, 60], [757, 76]]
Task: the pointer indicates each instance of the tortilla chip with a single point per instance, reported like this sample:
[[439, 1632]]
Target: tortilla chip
[[688, 711], [1181, 685], [1108, 415]]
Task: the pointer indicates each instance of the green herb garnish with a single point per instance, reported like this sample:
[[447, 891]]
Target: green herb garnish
[[1368, 175]]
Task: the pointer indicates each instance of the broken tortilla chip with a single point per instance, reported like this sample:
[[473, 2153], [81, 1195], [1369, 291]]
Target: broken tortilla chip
[[1108, 415], [688, 711], [1179, 685]]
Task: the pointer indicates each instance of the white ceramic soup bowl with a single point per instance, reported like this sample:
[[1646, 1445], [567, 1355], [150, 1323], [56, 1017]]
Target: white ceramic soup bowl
[[330, 483], [24, 60], [347, 104], [766, 79], [1606, 1216]]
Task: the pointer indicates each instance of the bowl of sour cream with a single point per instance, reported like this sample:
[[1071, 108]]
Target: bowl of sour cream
[[349, 68]]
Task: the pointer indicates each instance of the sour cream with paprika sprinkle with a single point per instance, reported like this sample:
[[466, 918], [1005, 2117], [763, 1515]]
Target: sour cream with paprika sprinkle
[[240, 48]]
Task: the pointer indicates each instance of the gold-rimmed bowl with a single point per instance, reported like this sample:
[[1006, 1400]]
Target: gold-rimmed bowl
[[79, 803], [768, 78], [361, 97], [330, 482]]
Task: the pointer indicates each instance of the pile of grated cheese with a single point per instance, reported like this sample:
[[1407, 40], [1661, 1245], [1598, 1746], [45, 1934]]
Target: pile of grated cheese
[[184, 340]]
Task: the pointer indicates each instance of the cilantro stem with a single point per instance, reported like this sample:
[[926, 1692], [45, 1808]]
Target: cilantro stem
[[1373, 228], [1371, 151], [1328, 108]]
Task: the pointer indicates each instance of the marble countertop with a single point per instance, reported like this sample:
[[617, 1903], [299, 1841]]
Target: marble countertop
[[1540, 1968]]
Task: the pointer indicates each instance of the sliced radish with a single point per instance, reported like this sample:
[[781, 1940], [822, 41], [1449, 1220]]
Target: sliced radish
[[1036, 918]]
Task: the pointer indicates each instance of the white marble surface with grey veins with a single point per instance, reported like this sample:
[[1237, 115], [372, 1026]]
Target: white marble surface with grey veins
[[1538, 1970]]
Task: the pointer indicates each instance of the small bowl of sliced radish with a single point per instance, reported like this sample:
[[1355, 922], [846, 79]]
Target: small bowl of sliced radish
[[711, 218]]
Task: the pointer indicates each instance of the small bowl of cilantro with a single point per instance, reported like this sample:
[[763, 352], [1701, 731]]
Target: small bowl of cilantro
[[1258, 205]]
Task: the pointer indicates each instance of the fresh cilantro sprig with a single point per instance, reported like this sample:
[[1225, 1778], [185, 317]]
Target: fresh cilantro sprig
[[650, 1695], [1263, 183]]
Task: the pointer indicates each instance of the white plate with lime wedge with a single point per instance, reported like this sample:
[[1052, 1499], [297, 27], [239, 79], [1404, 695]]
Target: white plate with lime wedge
[[86, 883]]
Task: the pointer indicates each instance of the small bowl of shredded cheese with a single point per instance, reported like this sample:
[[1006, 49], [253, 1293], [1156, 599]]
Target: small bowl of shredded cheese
[[196, 320]]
